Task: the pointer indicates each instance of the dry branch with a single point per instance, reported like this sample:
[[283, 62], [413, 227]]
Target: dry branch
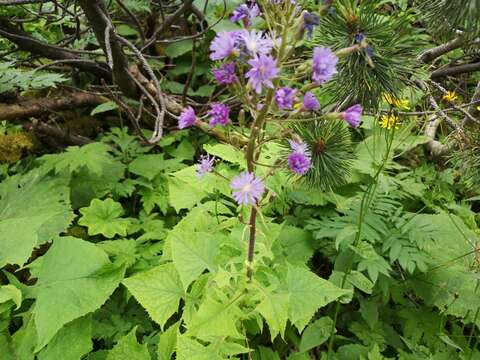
[[36, 107]]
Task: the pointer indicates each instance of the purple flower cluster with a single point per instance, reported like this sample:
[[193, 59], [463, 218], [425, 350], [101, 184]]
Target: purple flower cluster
[[285, 97], [248, 189], [353, 115], [299, 160], [219, 115], [225, 74], [187, 118], [310, 102], [324, 65], [245, 13], [205, 165]]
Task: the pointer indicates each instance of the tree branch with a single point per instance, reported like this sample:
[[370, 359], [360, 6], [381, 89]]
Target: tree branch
[[432, 54], [455, 70], [97, 16], [25, 109], [21, 2], [26, 42]]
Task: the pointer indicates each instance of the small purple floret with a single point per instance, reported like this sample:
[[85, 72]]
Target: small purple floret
[[245, 13], [225, 74], [285, 97], [187, 118], [248, 189], [263, 71], [219, 115], [324, 64], [299, 160], [205, 165], [310, 102], [353, 115], [223, 45], [255, 42]]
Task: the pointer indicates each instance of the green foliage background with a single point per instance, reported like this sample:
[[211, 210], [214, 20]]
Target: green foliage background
[[115, 250]]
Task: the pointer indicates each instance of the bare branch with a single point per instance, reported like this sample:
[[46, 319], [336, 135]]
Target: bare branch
[[21, 2], [456, 70], [25, 109], [432, 54]]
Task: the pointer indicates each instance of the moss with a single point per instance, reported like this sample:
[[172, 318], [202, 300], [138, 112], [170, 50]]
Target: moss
[[13, 146]]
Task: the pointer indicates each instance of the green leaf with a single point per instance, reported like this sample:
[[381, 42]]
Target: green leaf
[[95, 157], [10, 293], [24, 340], [190, 349], [71, 342], [215, 319], [148, 166], [158, 290], [179, 48], [104, 217], [360, 281], [74, 278], [167, 342], [308, 293], [316, 334], [226, 152], [186, 189], [274, 308], [34, 209], [192, 253], [156, 196], [128, 348], [106, 106], [296, 244], [369, 312]]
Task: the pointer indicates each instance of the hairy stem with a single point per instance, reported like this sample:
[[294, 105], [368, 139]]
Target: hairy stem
[[251, 243]]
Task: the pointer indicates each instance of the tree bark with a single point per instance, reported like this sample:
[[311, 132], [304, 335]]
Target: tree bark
[[25, 109], [98, 17]]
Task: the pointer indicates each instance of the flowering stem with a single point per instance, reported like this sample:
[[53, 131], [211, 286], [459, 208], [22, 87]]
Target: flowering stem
[[250, 153]]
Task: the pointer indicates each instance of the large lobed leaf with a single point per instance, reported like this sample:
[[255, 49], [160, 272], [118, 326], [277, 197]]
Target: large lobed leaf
[[75, 278], [34, 209]]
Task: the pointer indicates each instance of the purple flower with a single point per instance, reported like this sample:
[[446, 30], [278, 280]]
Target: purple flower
[[187, 118], [310, 21], [353, 115], [285, 97], [255, 42], [225, 74], [220, 115], [223, 45], [245, 13], [299, 160], [324, 64], [205, 165], [310, 102], [248, 188], [264, 70]]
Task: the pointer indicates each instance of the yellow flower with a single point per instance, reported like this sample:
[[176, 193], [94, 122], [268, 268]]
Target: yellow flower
[[388, 122], [478, 108], [451, 96], [396, 102]]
